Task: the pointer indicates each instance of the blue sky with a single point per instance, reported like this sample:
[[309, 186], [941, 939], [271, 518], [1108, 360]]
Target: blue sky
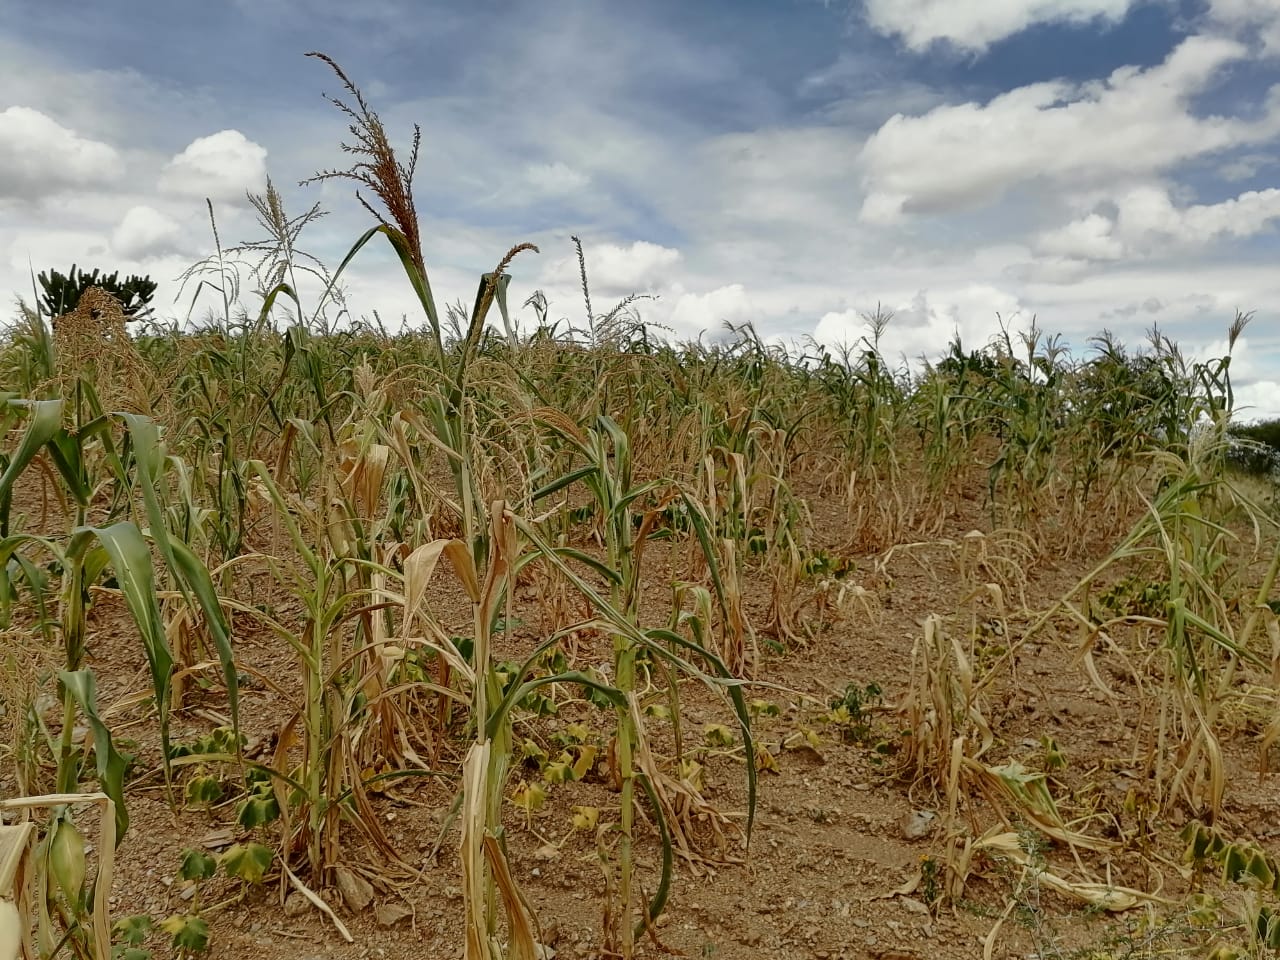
[[1090, 163]]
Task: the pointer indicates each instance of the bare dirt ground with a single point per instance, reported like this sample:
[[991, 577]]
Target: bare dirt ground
[[837, 831]]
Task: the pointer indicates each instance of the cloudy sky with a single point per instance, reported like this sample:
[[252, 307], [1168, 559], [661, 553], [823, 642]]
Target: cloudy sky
[[1090, 163]]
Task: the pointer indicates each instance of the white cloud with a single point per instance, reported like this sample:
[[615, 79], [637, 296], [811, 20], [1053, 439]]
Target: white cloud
[[145, 233], [1148, 215], [1050, 269], [38, 250], [1088, 239], [694, 313], [615, 270], [555, 178], [39, 156], [761, 181], [976, 24], [1135, 123], [1246, 167], [1249, 18], [222, 166], [924, 324], [1148, 223], [1259, 400]]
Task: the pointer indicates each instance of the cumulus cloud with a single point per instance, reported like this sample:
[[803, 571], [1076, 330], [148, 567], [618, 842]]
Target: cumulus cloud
[[1087, 239], [924, 324], [1148, 223], [221, 166], [694, 313], [616, 270], [976, 24], [1135, 123], [1259, 400], [39, 156], [1148, 215], [144, 233]]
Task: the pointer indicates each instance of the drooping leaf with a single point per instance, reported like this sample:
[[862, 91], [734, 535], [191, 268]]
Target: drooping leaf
[[197, 865], [110, 764], [247, 861], [188, 932], [131, 561]]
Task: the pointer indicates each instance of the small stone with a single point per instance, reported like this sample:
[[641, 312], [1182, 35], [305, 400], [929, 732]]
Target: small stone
[[295, 905], [912, 905], [917, 824], [389, 914], [357, 892]]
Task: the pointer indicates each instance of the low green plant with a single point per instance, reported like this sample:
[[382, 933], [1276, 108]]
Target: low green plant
[[187, 929], [852, 712], [1251, 870]]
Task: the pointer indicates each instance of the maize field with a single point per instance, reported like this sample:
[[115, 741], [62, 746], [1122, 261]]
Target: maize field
[[501, 639]]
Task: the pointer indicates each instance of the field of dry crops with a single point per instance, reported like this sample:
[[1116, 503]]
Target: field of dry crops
[[574, 642]]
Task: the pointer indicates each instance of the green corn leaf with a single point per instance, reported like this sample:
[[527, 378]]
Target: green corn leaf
[[701, 524], [196, 576], [45, 422], [110, 764], [269, 301], [37, 582], [417, 278], [659, 900], [656, 641], [1267, 928], [604, 570], [567, 480], [286, 516], [736, 699], [131, 560]]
